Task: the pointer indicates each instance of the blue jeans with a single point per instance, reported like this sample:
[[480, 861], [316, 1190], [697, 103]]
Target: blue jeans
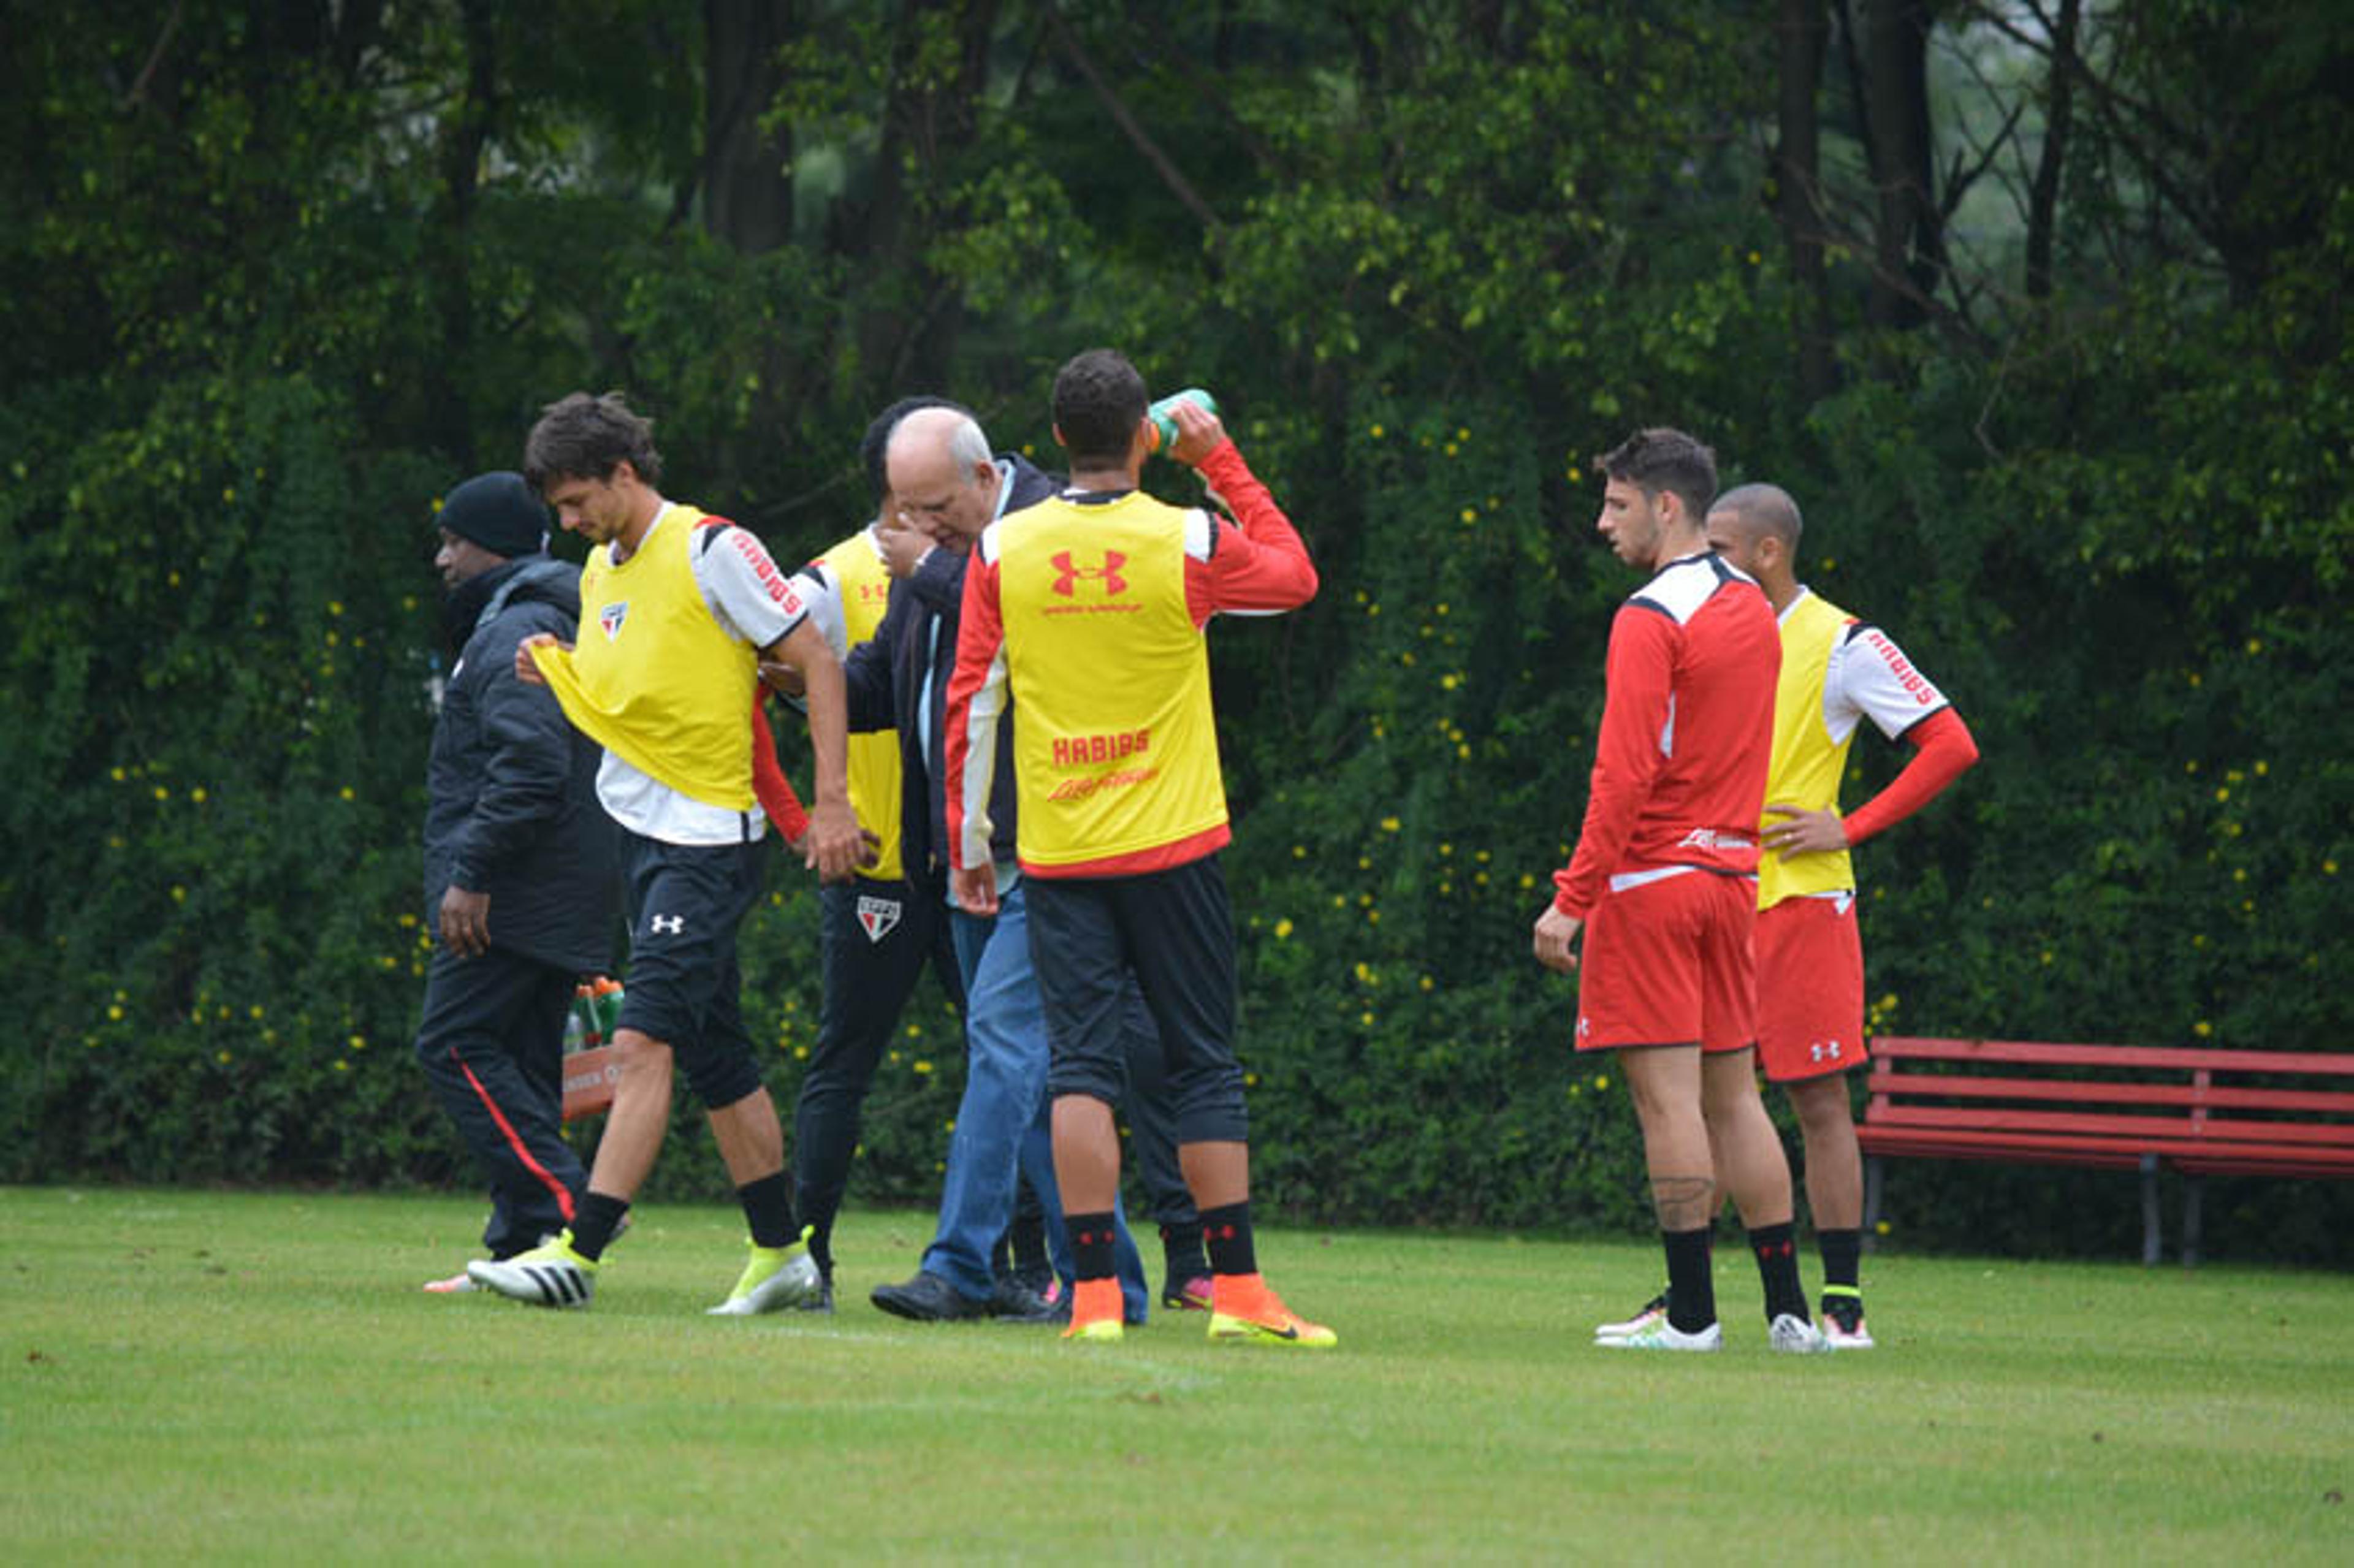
[[1003, 1129]]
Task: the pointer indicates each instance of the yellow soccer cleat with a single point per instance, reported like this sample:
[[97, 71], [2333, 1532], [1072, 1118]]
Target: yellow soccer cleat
[[774, 1278]]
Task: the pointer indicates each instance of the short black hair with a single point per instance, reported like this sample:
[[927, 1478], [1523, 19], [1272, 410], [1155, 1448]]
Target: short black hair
[[1766, 508], [874, 447], [1100, 398], [1662, 459], [582, 437]]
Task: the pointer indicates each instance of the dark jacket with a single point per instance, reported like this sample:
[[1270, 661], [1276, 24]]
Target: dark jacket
[[885, 682], [511, 788]]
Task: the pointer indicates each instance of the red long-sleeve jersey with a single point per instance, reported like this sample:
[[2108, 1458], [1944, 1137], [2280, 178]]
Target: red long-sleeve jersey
[[1687, 732]]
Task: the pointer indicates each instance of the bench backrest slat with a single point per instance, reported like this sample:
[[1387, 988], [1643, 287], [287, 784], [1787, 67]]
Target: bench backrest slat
[[2335, 1064]]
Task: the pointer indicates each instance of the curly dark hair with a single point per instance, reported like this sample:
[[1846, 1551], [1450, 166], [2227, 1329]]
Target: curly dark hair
[[582, 437], [1099, 399], [1662, 459]]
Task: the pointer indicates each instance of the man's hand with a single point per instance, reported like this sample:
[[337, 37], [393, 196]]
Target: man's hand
[[1556, 935], [526, 667], [835, 845], [976, 890], [465, 922], [1199, 431], [1803, 831], [903, 543], [782, 677]]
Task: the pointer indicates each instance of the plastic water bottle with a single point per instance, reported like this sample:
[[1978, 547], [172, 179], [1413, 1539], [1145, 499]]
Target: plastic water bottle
[[1165, 423], [605, 1003]]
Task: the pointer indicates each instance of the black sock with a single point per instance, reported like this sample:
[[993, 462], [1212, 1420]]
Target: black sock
[[1092, 1248], [820, 1245], [769, 1210], [1027, 1240], [1843, 1258], [1691, 1287], [1227, 1230], [1181, 1251], [1776, 1247], [594, 1223]]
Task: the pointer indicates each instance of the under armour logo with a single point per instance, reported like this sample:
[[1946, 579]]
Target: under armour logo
[[877, 916], [666, 925], [1067, 575], [1825, 1050], [612, 617]]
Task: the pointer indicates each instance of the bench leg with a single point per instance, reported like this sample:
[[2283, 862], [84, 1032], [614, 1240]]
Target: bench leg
[[1871, 1171], [2149, 1216], [2192, 1191]]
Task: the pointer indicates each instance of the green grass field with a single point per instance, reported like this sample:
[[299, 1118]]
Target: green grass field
[[208, 1376]]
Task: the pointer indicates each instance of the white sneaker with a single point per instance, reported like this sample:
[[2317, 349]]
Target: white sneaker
[[1655, 1310], [1665, 1336], [1794, 1336], [774, 1278], [549, 1276]]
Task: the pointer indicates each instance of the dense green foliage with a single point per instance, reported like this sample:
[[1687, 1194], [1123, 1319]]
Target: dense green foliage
[[276, 276]]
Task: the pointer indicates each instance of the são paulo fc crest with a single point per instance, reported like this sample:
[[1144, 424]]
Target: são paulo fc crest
[[877, 916], [612, 617]]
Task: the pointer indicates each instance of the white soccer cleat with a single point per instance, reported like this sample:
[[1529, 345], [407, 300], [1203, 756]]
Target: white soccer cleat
[[1655, 1310], [1794, 1336], [1665, 1336], [551, 1274]]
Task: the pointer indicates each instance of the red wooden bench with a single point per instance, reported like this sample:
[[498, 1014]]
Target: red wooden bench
[[2200, 1112]]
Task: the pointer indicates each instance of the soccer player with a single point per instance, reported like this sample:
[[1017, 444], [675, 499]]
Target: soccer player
[[1836, 671], [518, 867], [1086, 613], [877, 931], [1662, 885], [947, 489], [677, 609]]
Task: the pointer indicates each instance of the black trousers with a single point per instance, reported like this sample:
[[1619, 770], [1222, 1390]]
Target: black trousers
[[873, 938], [492, 1044]]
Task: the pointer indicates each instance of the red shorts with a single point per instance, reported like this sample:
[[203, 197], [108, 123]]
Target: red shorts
[[1809, 988], [1668, 963]]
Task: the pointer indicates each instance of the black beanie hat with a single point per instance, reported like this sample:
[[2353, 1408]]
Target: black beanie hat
[[498, 511]]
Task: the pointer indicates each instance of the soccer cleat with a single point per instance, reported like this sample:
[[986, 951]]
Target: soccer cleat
[[1188, 1295], [821, 1302], [550, 1274], [1794, 1336], [1243, 1311], [1663, 1335], [774, 1278], [1096, 1308], [458, 1284], [1655, 1310], [1843, 1321]]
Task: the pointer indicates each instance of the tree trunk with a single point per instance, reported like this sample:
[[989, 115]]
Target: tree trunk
[[463, 136], [2043, 196], [749, 177], [1908, 248], [1801, 30]]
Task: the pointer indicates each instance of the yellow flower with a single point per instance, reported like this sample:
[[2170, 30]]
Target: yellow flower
[[1389, 824], [1377, 431], [334, 606], [2202, 1029], [162, 793], [223, 1058], [345, 792], [197, 794], [923, 1066], [1283, 930], [1471, 514], [115, 1013]]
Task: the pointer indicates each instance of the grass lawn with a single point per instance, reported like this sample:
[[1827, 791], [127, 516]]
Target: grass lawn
[[201, 1374]]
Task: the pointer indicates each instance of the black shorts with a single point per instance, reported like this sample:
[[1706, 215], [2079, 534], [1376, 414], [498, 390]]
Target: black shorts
[[1174, 931], [684, 903]]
